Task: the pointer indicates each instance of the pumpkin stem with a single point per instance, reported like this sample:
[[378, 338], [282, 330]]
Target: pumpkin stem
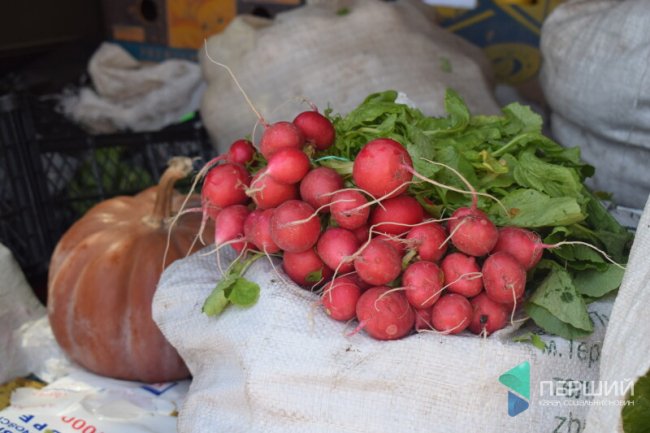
[[178, 168]]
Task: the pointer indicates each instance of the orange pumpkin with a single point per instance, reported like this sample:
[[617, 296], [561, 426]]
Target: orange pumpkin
[[102, 277]]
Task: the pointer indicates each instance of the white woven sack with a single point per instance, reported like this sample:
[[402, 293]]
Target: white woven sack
[[595, 78], [336, 60], [284, 366]]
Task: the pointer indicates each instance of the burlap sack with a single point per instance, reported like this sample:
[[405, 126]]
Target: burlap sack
[[284, 366], [337, 60], [595, 78]]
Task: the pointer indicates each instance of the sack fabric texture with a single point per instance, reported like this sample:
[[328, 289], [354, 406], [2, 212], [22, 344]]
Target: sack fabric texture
[[336, 59], [284, 366], [595, 76]]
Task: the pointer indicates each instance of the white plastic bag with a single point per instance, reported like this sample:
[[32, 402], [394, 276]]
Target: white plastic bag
[[131, 95], [337, 60], [18, 307]]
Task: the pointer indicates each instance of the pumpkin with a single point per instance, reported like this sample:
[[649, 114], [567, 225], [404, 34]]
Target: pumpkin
[[103, 275]]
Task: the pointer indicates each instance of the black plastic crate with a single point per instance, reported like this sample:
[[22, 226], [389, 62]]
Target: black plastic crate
[[52, 172]]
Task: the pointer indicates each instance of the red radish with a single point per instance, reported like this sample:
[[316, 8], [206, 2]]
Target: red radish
[[378, 263], [335, 246], [524, 245], [302, 267], [381, 168], [423, 319], [257, 230], [452, 314], [318, 185], [472, 232], [316, 128], [268, 193], [422, 282], [288, 165], [362, 234], [385, 315], [294, 227], [340, 298], [225, 185], [488, 315], [346, 209], [229, 225], [396, 242], [429, 241], [462, 274], [241, 152], [403, 209], [504, 278], [359, 282], [470, 229], [278, 136]]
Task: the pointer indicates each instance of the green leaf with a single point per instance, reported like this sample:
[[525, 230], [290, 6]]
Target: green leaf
[[445, 65], [523, 117], [553, 180], [558, 296], [551, 324], [531, 208], [217, 301], [595, 284], [244, 293], [636, 415], [531, 338], [457, 111], [315, 276]]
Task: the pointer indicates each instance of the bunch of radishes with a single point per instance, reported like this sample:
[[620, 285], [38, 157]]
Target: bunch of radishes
[[361, 239]]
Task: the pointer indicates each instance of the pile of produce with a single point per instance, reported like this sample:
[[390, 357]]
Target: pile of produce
[[406, 222]]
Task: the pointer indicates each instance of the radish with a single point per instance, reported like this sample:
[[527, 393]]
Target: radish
[[472, 232], [404, 210], [384, 314], [488, 316], [428, 240], [302, 267], [423, 283], [340, 298], [524, 245], [288, 165], [462, 274], [423, 319], [225, 185], [452, 314], [347, 209], [381, 168], [378, 263], [240, 152], [504, 278], [278, 136], [229, 225], [294, 227], [395, 241], [257, 230], [318, 185], [362, 233], [316, 128], [268, 193], [336, 246]]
